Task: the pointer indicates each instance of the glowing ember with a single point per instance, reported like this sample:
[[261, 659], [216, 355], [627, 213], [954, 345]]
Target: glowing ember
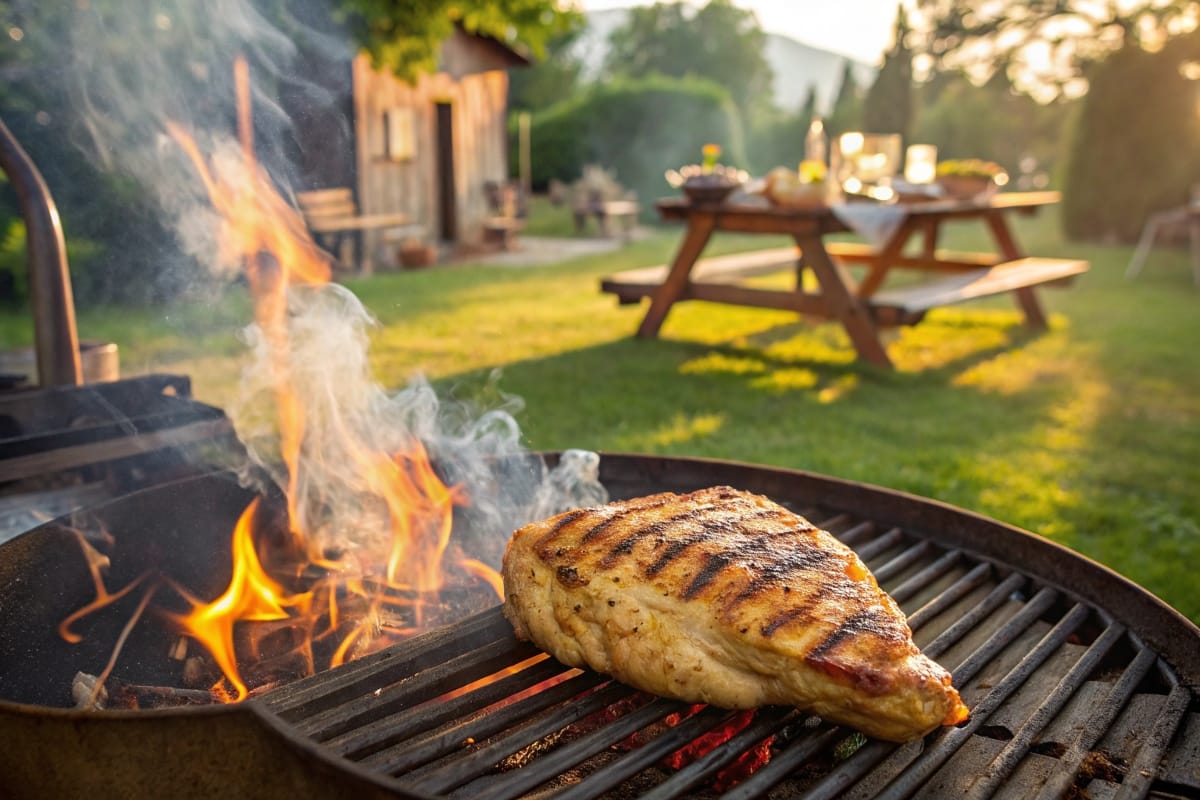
[[745, 765]]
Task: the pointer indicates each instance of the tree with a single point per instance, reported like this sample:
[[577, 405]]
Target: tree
[[992, 121], [405, 36], [551, 80], [719, 42], [888, 107], [1126, 163], [846, 114], [1044, 45]]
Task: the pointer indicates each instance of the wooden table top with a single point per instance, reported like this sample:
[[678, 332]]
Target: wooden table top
[[679, 207]]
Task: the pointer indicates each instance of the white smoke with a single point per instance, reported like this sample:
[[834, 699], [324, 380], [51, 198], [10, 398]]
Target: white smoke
[[133, 70]]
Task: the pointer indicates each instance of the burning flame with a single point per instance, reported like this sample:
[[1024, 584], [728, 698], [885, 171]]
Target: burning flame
[[252, 595], [355, 592]]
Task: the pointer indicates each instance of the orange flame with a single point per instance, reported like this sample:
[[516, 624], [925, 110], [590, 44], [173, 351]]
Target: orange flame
[[251, 595], [354, 605]]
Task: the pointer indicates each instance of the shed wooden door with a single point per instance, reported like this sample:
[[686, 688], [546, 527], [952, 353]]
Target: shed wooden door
[[447, 207]]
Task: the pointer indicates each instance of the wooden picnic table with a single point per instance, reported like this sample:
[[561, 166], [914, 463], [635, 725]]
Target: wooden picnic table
[[863, 308]]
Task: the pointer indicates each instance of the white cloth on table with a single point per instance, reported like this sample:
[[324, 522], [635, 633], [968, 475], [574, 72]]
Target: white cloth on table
[[875, 223]]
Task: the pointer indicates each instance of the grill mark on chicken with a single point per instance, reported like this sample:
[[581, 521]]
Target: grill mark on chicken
[[712, 566], [703, 528], [777, 622], [864, 622], [542, 545], [705, 533]]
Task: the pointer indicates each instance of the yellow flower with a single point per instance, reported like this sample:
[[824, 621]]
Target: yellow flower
[[812, 171], [711, 153]]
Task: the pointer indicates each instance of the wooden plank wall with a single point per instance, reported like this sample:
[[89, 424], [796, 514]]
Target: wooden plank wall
[[479, 107]]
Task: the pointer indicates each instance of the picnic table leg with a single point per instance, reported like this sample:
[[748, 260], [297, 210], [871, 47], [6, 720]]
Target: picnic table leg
[[1035, 317], [842, 302], [700, 228], [887, 255]]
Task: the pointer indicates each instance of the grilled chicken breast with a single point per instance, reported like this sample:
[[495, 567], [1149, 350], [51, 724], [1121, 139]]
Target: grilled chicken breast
[[724, 597]]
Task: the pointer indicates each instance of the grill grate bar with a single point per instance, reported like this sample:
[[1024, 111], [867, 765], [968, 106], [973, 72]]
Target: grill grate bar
[[834, 524], [903, 561], [1007, 759], [877, 545], [976, 615], [926, 576], [412, 754], [950, 595], [636, 760], [782, 764], [858, 532], [767, 722], [422, 686], [405, 724], [324, 690], [457, 769], [516, 782], [933, 757], [1140, 776], [1099, 722]]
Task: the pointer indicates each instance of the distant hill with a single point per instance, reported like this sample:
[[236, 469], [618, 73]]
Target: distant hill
[[804, 64]]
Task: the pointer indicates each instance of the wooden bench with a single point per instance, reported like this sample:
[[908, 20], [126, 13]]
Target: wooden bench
[[907, 305], [332, 217], [632, 285], [946, 260]]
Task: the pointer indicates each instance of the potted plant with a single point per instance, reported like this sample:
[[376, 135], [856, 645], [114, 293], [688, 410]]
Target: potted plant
[[970, 177], [708, 182]]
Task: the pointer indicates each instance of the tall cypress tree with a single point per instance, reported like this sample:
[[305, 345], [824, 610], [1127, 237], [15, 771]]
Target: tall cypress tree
[[846, 114], [888, 107]]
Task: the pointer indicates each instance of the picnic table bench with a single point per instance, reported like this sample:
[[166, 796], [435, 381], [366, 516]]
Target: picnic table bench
[[864, 308]]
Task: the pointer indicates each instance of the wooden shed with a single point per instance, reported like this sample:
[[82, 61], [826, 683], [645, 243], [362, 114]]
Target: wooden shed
[[426, 150]]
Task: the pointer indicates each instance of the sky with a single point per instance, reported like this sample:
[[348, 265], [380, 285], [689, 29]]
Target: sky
[[861, 29]]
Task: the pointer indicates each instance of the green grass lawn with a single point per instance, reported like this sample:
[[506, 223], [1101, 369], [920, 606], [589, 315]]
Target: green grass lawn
[[1088, 434]]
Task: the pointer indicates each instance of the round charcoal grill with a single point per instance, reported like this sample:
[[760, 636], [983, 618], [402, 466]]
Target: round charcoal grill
[[1080, 683]]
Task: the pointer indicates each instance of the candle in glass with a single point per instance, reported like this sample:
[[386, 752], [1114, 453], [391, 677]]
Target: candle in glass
[[920, 163]]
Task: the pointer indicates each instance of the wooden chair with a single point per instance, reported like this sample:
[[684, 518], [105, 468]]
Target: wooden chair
[[1189, 216], [332, 217]]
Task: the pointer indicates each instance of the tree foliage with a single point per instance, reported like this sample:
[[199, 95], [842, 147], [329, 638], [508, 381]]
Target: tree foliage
[[550, 80], [993, 122], [1134, 151], [1044, 45], [888, 106], [846, 114], [718, 42], [405, 36]]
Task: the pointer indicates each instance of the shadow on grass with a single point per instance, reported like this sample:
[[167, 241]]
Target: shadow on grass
[[765, 397]]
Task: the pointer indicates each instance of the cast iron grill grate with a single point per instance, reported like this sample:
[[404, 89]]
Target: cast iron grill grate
[[1064, 698]]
